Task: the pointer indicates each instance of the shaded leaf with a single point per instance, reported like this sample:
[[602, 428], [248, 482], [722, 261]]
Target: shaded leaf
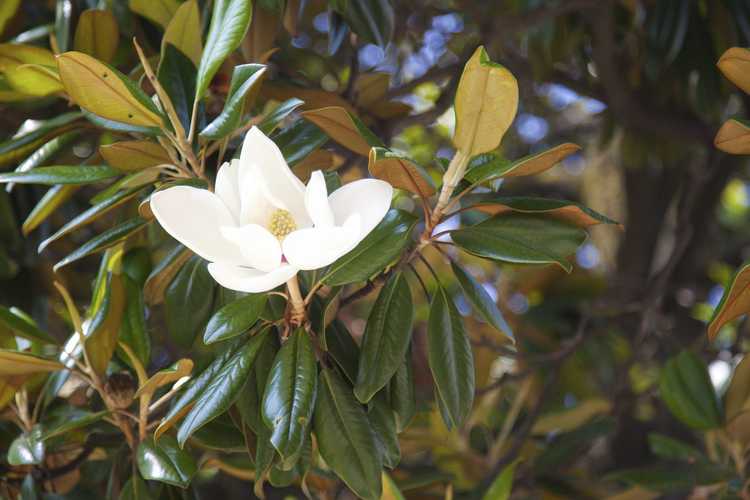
[[189, 300], [734, 303], [345, 439], [157, 11], [450, 358], [182, 32], [134, 155], [21, 326], [687, 391], [61, 174], [522, 239], [502, 485], [344, 128], [245, 78], [22, 363], [97, 34], [481, 300], [386, 338]]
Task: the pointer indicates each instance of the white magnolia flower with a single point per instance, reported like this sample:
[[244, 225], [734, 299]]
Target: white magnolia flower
[[263, 225]]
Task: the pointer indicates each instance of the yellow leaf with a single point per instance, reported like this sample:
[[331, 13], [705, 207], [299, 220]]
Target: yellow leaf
[[22, 363], [567, 420], [8, 9], [102, 90], [400, 172], [390, 490], [635, 493], [340, 126], [733, 137], [181, 31], [34, 79], [735, 64], [735, 303], [739, 389], [97, 34], [158, 11], [13, 54], [486, 103], [175, 372], [129, 156]]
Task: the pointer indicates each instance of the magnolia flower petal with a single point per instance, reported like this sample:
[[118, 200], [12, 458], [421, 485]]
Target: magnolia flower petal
[[244, 279], [193, 217], [255, 207], [227, 187], [260, 248], [316, 201], [370, 198], [283, 188], [313, 248]]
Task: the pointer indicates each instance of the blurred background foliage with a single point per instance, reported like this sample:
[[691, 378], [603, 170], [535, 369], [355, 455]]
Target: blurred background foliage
[[613, 389]]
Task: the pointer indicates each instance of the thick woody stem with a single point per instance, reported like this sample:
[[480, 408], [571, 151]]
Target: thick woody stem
[[296, 302]]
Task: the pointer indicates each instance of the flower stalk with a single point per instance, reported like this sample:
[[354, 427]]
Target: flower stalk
[[296, 302]]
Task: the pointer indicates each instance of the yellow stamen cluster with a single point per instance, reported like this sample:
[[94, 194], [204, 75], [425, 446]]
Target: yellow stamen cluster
[[282, 223]]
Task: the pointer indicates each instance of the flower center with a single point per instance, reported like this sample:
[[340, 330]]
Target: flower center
[[282, 223]]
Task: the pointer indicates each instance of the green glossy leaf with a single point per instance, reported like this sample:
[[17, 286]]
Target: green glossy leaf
[[116, 126], [235, 318], [386, 338], [501, 487], [686, 389], [61, 174], [91, 215], [345, 438], [195, 388], [402, 394], [289, 397], [522, 239], [223, 388], [165, 461], [19, 325], [383, 423], [25, 143], [46, 152], [28, 448], [279, 113], [481, 300], [245, 78], [373, 254], [450, 357], [250, 403], [103, 241], [486, 166], [177, 75], [229, 23], [63, 13], [189, 300], [298, 140]]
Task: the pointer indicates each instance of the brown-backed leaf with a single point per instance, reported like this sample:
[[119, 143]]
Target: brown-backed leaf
[[97, 34], [400, 172], [161, 276], [734, 303], [134, 155], [344, 128], [735, 64], [181, 368], [734, 137], [567, 211]]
